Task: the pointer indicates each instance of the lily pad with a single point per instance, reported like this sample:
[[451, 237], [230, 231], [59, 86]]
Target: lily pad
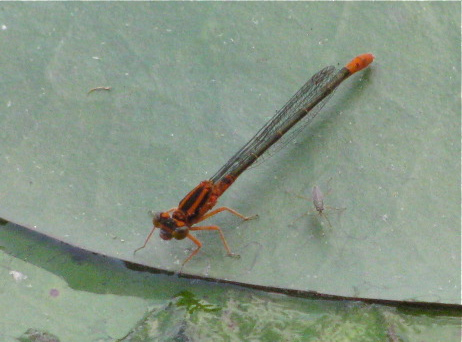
[[190, 84]]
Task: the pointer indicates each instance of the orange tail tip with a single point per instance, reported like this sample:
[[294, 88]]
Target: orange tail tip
[[360, 62]]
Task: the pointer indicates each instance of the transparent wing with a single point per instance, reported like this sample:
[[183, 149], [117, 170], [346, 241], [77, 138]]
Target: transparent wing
[[284, 119]]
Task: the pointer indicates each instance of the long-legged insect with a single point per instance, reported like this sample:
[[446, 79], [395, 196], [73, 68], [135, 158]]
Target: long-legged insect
[[318, 201]]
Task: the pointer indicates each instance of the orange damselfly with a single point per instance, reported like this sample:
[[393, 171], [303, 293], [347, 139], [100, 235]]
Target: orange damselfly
[[178, 222]]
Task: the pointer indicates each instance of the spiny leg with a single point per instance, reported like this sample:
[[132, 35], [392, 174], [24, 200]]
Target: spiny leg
[[340, 210], [332, 208], [302, 197], [232, 211], [326, 217], [199, 244], [222, 237], [306, 213], [309, 212], [194, 252]]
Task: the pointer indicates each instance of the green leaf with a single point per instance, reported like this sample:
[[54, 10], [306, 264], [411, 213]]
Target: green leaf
[[190, 84]]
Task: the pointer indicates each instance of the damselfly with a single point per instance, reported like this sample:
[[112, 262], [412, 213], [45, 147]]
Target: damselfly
[[177, 223]]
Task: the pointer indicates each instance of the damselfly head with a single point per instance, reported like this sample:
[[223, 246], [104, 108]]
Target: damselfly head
[[164, 220], [158, 218], [180, 232], [169, 227], [165, 235]]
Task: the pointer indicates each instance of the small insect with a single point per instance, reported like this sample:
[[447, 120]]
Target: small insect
[[98, 88], [318, 201]]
